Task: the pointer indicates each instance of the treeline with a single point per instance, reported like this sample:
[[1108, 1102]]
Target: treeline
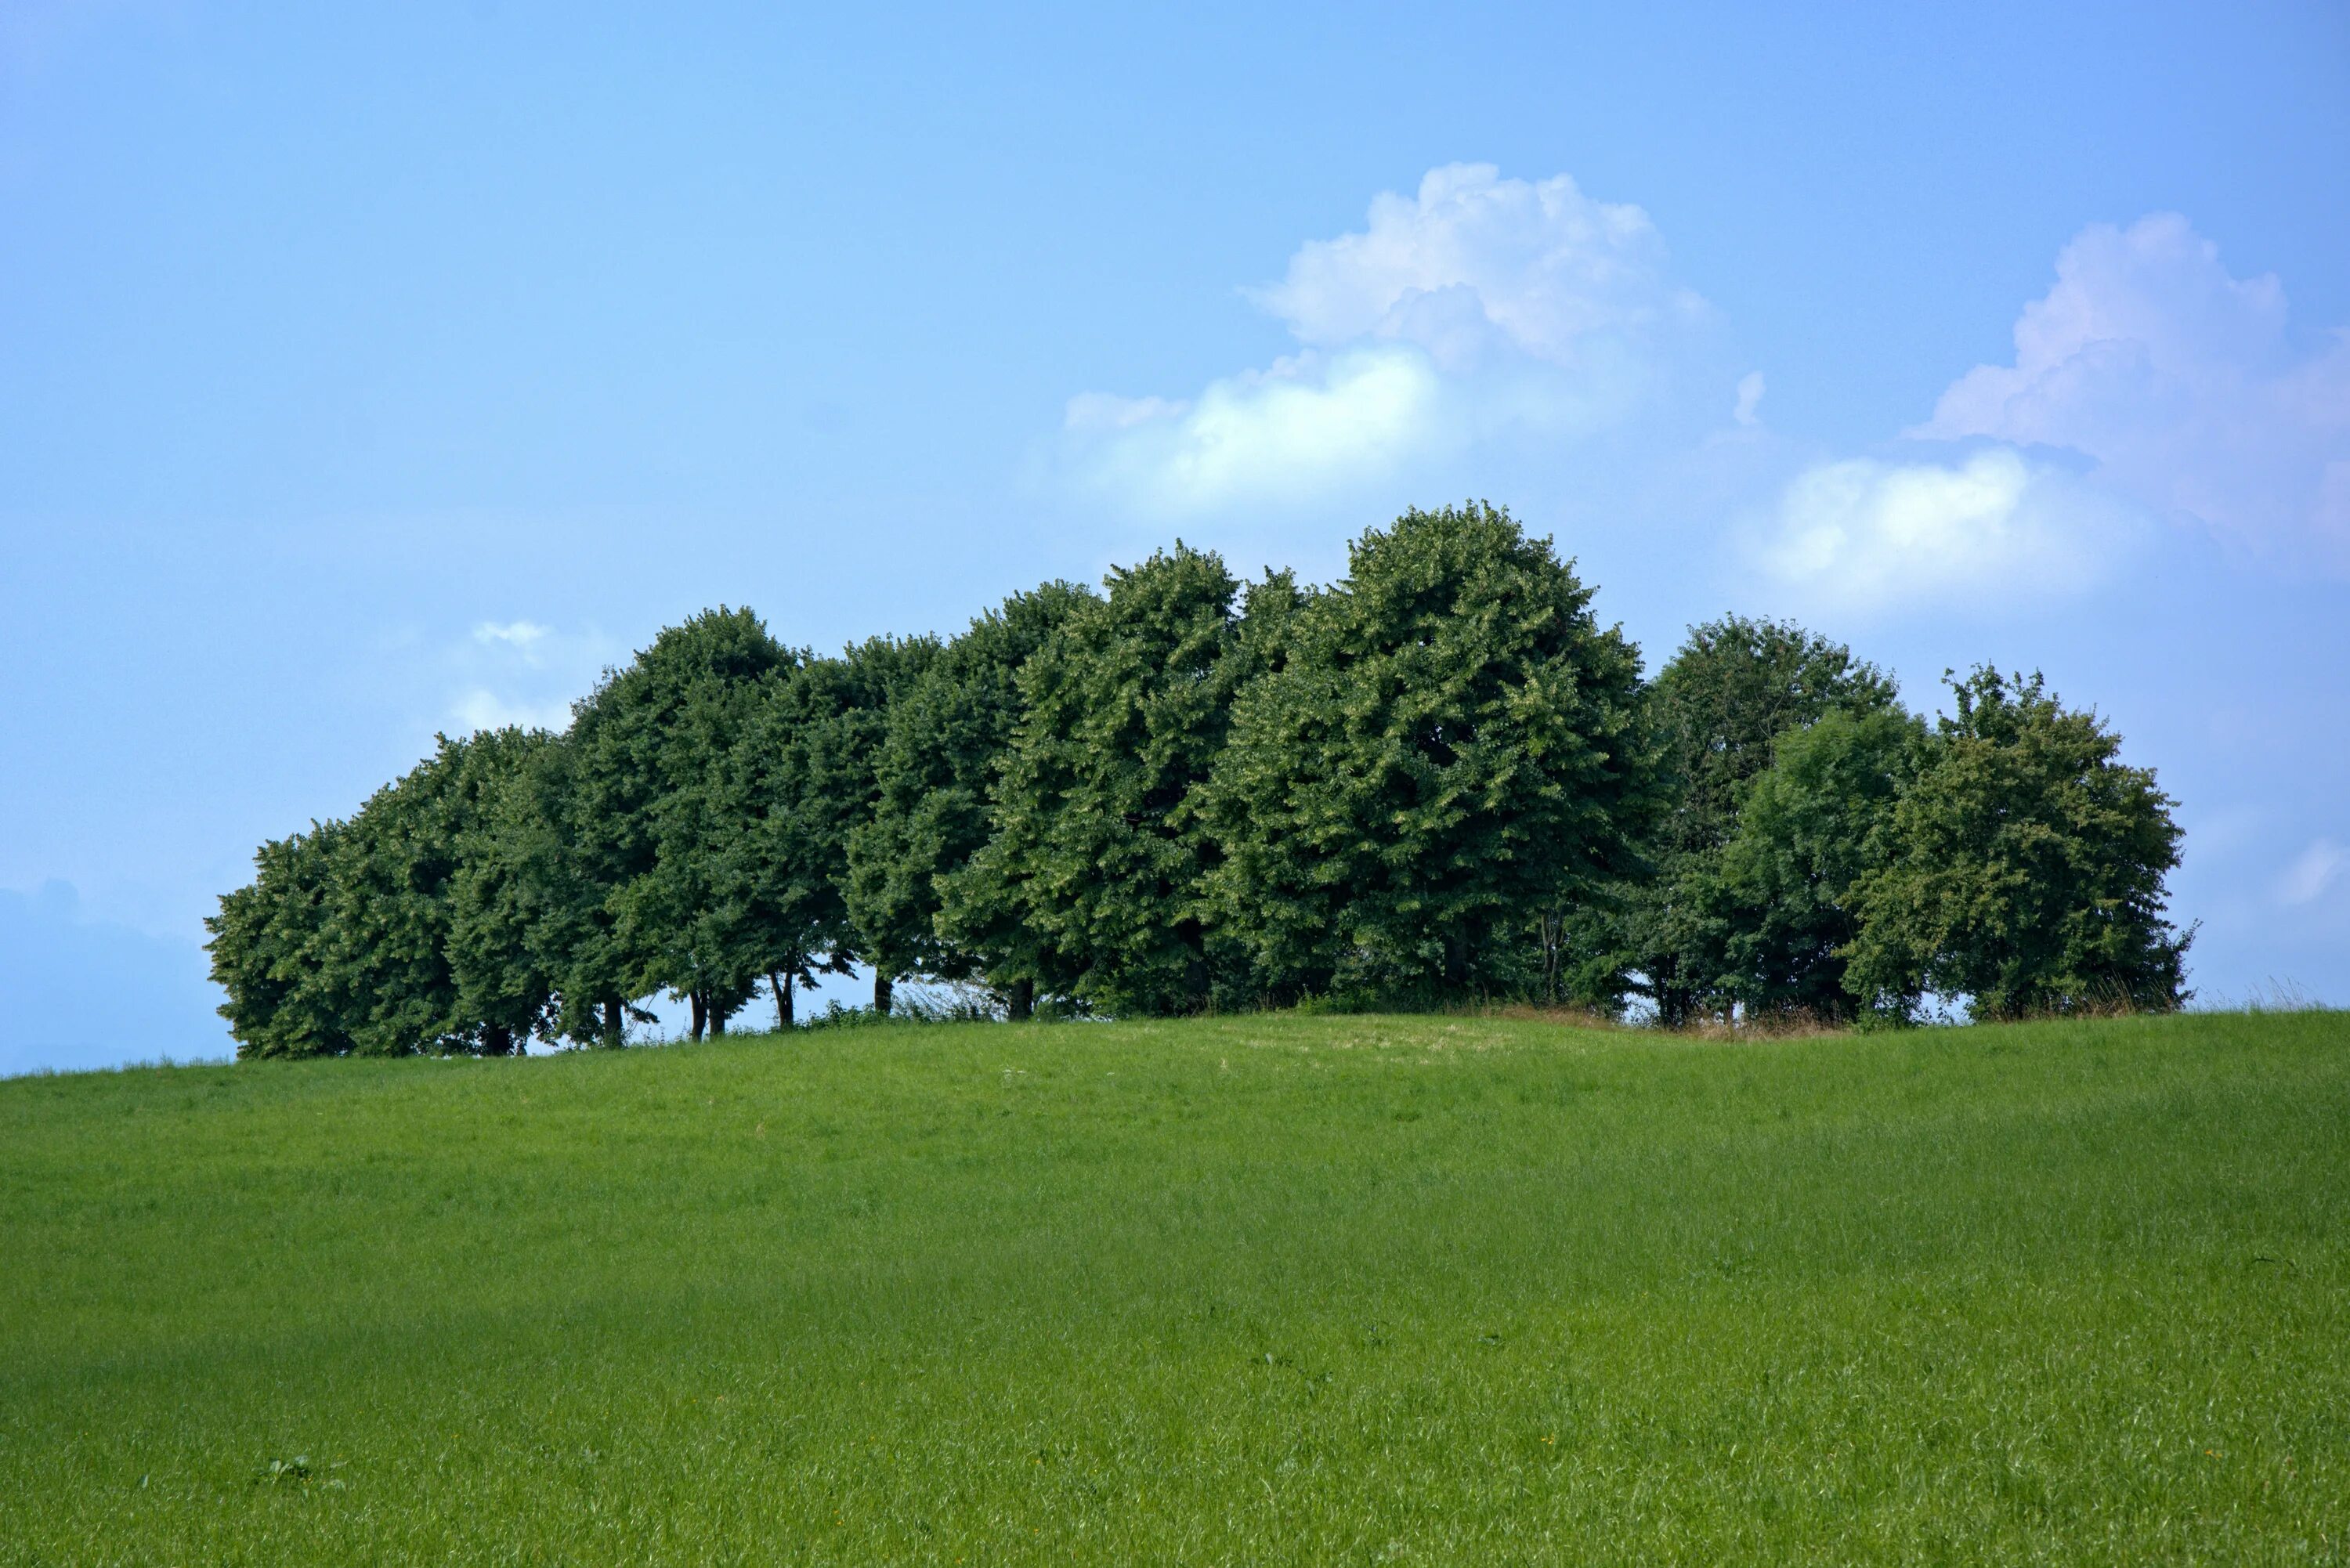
[[1440, 779]]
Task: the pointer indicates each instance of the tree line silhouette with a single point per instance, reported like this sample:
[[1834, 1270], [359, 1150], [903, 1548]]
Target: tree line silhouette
[[1440, 779]]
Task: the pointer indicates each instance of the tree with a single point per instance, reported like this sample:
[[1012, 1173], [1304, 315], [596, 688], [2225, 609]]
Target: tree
[[268, 951], [812, 769], [1092, 883], [397, 900], [2024, 866], [1778, 916], [655, 821], [344, 943], [505, 944], [944, 737], [1448, 747], [1734, 688]]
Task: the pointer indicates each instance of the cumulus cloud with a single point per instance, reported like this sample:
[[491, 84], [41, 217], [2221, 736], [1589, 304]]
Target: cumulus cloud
[[1475, 260], [1479, 308], [2176, 385], [1278, 434], [2179, 381], [1864, 533]]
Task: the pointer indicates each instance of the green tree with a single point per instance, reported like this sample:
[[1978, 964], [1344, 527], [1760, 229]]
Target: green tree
[[504, 940], [654, 820], [1735, 687], [1780, 917], [1447, 746], [268, 951], [811, 767], [393, 927], [2025, 868], [944, 737], [1092, 883], [344, 943]]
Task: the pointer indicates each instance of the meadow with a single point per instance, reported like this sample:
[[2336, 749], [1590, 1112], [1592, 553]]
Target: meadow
[[1263, 1288]]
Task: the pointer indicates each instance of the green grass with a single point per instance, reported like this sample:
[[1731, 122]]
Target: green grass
[[1260, 1290]]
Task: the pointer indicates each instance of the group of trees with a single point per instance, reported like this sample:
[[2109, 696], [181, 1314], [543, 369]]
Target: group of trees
[[1440, 778]]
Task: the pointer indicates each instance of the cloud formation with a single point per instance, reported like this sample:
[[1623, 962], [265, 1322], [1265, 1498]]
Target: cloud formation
[[1280, 434], [2175, 381], [1477, 262], [1863, 533], [2181, 382], [1479, 308], [524, 635]]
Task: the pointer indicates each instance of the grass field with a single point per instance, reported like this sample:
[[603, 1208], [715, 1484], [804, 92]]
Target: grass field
[[1259, 1290]]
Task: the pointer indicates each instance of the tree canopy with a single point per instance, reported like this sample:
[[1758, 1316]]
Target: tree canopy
[[1719, 707], [1440, 779], [933, 809], [2023, 868], [1097, 865], [1447, 745]]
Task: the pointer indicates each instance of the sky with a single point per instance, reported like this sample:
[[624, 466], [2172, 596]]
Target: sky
[[369, 371]]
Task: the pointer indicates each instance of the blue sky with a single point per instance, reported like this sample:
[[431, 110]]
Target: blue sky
[[367, 371]]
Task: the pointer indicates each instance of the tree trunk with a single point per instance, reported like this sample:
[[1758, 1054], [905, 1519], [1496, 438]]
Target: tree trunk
[[1456, 961], [700, 1013], [1023, 1001], [497, 1040], [1672, 998], [1553, 950], [782, 989], [881, 992], [717, 1017], [612, 1025]]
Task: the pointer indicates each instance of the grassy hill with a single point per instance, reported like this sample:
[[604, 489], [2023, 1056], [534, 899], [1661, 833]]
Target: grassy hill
[[1312, 1290]]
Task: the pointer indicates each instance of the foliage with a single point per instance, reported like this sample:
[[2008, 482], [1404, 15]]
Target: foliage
[[1440, 779], [941, 737], [1779, 916], [1093, 883], [1720, 705], [344, 941], [813, 761], [2024, 866], [657, 822], [1448, 741], [516, 904], [268, 951]]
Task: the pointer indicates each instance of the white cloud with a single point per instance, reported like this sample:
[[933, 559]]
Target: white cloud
[[2181, 382], [1480, 309], [1865, 533], [1475, 258], [523, 635], [1749, 397], [2316, 869], [1281, 434]]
